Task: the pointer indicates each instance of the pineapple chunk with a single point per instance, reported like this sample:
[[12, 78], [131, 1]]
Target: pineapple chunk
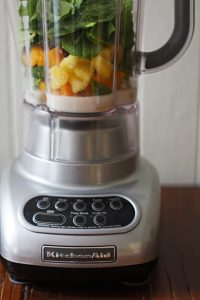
[[102, 66], [83, 71], [107, 54], [81, 76], [69, 62], [78, 85], [58, 77]]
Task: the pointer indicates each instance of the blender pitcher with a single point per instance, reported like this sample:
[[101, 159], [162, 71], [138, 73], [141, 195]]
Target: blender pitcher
[[79, 202]]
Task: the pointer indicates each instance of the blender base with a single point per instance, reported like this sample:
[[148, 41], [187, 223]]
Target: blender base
[[129, 275], [125, 252]]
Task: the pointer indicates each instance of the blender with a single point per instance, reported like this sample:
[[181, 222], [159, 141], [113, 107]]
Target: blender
[[79, 203]]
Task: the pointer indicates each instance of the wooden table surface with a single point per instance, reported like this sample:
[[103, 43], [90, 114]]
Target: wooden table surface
[[177, 275]]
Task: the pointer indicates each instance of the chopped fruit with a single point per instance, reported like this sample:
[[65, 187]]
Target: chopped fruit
[[40, 60], [102, 66], [79, 71], [106, 54], [35, 57], [119, 53], [109, 53], [42, 86], [78, 85], [66, 90], [108, 82], [120, 77], [70, 62], [87, 92], [58, 76], [55, 56], [83, 71]]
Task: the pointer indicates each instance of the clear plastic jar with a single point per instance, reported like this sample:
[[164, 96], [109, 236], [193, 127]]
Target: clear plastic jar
[[78, 56]]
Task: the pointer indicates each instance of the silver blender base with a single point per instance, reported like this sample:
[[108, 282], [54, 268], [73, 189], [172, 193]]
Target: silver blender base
[[39, 244]]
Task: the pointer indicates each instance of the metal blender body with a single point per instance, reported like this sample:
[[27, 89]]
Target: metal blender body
[[34, 175]]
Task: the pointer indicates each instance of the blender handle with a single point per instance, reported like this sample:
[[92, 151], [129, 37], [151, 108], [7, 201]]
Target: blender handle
[[176, 45]]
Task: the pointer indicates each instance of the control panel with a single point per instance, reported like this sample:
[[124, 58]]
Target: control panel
[[79, 212]]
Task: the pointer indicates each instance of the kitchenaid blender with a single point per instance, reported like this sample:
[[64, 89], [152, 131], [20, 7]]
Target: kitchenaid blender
[[79, 204]]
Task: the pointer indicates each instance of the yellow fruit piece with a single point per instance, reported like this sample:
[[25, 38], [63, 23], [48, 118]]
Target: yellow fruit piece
[[78, 85], [81, 76], [42, 86], [107, 54], [80, 72], [102, 66], [69, 62], [58, 77], [34, 58], [55, 56], [83, 71]]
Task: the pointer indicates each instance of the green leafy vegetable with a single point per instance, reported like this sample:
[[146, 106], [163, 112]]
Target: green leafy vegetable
[[82, 28], [127, 38], [28, 8], [76, 4], [58, 10], [90, 13], [38, 72], [103, 33], [79, 45], [100, 89]]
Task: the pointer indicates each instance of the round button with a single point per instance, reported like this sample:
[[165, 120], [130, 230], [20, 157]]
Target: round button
[[79, 220], [61, 205], [98, 205], [43, 204], [79, 205], [99, 220], [116, 204]]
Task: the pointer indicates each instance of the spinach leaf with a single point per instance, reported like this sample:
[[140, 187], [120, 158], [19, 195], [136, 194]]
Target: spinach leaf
[[102, 33], [100, 89], [27, 8], [78, 45], [127, 38], [88, 15], [59, 9], [76, 4], [38, 73]]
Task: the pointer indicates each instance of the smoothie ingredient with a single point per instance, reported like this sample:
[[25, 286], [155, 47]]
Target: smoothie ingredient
[[102, 66], [34, 58], [58, 77], [55, 56], [80, 45]]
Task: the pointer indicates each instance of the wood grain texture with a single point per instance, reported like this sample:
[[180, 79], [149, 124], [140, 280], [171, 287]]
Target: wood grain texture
[[177, 276]]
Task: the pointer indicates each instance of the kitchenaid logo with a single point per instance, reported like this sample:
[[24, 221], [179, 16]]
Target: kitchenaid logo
[[79, 255]]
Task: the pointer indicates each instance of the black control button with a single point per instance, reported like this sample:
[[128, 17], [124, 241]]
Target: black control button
[[99, 220], [43, 203], [61, 205], [98, 205], [79, 220], [49, 219], [79, 205], [116, 204]]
